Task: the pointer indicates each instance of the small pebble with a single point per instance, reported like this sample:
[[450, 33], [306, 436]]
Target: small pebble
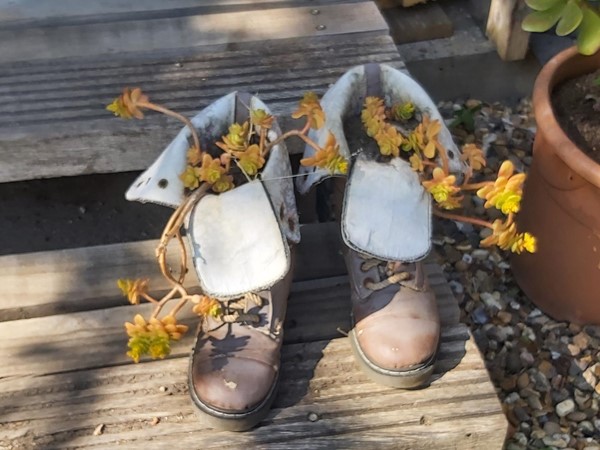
[[565, 407], [99, 430], [547, 372]]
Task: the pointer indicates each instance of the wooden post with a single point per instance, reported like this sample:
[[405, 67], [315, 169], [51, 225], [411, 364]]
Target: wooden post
[[504, 29]]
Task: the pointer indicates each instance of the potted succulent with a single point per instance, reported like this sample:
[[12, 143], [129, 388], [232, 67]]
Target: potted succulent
[[561, 203]]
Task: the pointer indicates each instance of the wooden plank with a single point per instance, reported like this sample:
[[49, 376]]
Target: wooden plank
[[504, 29], [421, 23], [61, 281], [458, 410], [59, 343], [189, 31], [72, 134], [28, 13]]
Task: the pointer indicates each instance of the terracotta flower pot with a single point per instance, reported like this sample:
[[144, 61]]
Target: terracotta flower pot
[[561, 207]]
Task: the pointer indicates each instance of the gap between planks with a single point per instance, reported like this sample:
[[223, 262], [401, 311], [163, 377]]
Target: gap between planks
[[319, 378], [62, 342]]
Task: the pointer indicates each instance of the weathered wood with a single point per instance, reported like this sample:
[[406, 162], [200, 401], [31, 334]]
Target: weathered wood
[[317, 310], [52, 117], [28, 13], [55, 282], [421, 23], [458, 409], [504, 29], [180, 32]]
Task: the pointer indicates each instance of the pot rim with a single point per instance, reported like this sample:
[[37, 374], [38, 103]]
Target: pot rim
[[564, 148]]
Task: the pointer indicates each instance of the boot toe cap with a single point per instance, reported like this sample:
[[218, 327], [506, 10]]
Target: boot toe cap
[[398, 343], [232, 385]]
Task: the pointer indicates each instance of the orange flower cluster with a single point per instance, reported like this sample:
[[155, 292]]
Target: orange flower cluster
[[310, 108], [504, 235], [152, 337], [129, 104], [133, 289], [505, 193], [423, 146], [328, 157]]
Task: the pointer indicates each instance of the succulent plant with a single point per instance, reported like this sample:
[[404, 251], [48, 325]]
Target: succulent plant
[[568, 16]]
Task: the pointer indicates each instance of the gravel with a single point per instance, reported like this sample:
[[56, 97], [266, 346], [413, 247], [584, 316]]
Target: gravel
[[546, 372]]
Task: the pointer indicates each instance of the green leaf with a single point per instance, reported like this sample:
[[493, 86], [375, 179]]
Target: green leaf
[[540, 21], [543, 5], [570, 20], [588, 40]]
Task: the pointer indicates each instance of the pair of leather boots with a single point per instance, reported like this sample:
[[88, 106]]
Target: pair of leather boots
[[242, 242]]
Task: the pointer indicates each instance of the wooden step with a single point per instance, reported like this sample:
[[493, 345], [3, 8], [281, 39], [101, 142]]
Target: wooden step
[[56, 109], [64, 374]]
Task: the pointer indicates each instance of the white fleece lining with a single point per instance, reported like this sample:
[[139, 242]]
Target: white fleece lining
[[237, 244], [387, 213]]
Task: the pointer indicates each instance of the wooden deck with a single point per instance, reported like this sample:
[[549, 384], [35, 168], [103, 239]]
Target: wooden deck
[[65, 381]]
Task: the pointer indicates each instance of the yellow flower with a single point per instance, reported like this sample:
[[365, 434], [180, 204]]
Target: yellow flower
[[508, 202], [389, 141], [413, 142], [251, 160], [373, 115], [328, 157], [190, 178], [235, 140], [431, 130], [504, 235], [153, 337], [261, 118], [524, 241], [505, 193], [207, 306], [373, 107], [194, 156], [416, 162], [310, 107], [211, 170], [224, 183], [372, 126], [403, 111], [443, 189], [128, 104], [133, 289], [473, 155], [424, 138]]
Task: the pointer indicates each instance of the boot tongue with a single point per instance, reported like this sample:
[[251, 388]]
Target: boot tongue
[[386, 213]]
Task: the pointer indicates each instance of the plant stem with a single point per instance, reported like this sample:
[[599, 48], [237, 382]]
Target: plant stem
[[444, 156], [149, 298], [474, 221], [180, 304], [178, 116], [475, 186], [172, 229], [290, 133]]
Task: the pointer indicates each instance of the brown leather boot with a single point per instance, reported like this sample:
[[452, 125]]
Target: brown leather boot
[[234, 367], [396, 321]]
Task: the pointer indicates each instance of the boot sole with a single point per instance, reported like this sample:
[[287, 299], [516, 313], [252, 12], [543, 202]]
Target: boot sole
[[405, 379], [227, 421]]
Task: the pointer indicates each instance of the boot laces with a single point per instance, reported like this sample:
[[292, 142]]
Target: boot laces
[[390, 272], [237, 311]]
